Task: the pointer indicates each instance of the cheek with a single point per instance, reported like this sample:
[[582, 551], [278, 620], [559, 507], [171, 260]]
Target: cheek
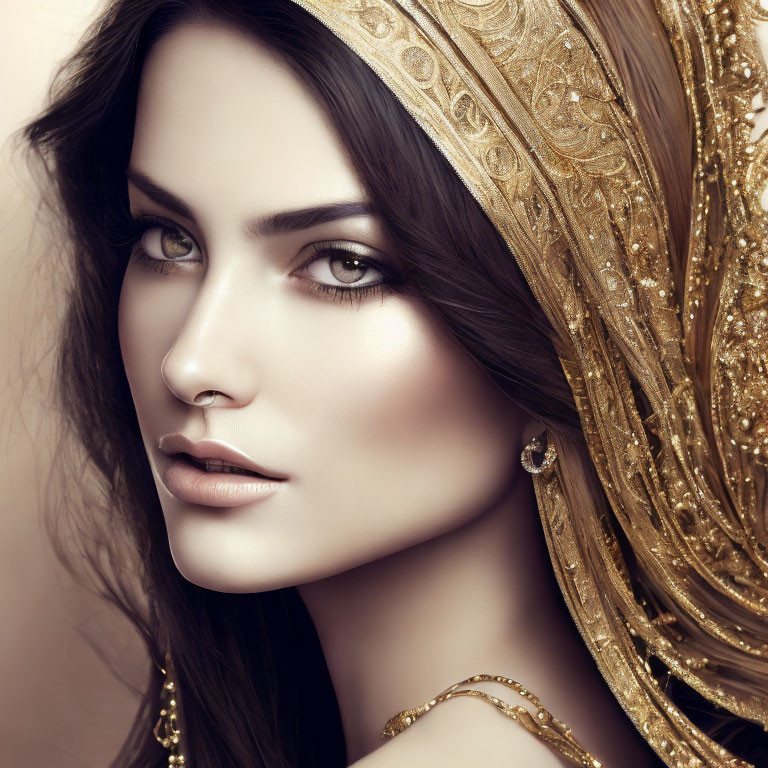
[[407, 422]]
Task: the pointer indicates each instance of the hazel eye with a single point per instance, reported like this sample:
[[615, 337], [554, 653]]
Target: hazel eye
[[347, 269], [166, 243], [343, 268]]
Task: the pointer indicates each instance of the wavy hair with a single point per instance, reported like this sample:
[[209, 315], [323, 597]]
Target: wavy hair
[[255, 688]]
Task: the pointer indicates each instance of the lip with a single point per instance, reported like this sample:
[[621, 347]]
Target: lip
[[213, 449], [193, 485]]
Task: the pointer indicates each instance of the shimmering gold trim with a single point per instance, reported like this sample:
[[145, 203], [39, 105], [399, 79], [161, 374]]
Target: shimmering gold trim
[[524, 101]]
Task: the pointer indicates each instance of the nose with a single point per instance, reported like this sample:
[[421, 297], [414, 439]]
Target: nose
[[211, 359]]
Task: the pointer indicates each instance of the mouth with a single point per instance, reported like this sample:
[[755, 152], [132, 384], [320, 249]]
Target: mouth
[[213, 473], [219, 466], [214, 456]]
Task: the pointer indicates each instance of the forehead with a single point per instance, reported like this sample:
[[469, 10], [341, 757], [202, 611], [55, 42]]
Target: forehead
[[220, 116]]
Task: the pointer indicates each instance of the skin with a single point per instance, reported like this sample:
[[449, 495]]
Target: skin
[[406, 521]]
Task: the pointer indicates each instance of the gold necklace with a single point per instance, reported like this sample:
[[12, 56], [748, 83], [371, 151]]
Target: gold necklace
[[543, 724]]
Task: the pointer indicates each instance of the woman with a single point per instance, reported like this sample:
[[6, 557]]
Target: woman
[[311, 363]]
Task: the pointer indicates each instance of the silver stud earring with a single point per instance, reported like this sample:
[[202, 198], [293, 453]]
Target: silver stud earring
[[535, 458]]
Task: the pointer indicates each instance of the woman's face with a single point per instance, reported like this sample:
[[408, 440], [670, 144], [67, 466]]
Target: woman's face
[[262, 278]]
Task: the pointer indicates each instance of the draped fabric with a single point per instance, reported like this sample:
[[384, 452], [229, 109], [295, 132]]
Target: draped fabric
[[670, 377]]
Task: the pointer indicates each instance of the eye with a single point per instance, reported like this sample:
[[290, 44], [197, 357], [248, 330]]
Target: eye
[[344, 264], [165, 242]]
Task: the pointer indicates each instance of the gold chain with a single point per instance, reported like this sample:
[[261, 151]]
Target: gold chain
[[543, 724]]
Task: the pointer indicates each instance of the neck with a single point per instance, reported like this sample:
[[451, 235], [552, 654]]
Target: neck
[[479, 599]]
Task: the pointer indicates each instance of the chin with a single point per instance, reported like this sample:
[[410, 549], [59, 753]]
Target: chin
[[220, 571], [222, 568], [205, 575]]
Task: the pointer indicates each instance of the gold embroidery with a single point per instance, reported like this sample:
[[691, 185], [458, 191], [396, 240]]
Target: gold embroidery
[[524, 101]]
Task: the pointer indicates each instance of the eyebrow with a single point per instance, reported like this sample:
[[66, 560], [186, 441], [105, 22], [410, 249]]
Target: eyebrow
[[271, 224]]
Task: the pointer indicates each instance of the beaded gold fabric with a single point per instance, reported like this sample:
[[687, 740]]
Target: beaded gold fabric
[[671, 380]]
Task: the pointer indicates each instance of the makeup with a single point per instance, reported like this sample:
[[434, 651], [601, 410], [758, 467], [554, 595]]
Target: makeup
[[213, 473], [193, 485]]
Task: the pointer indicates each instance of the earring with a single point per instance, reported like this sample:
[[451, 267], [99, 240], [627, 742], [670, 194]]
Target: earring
[[536, 447], [167, 730]]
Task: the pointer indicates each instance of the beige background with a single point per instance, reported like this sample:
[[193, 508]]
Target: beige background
[[59, 703]]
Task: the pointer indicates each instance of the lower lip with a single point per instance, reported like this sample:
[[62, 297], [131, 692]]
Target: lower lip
[[215, 489]]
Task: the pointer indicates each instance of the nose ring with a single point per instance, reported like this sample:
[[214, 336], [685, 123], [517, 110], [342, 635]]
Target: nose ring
[[206, 398]]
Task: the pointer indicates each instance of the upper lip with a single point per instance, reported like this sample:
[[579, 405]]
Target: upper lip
[[212, 449]]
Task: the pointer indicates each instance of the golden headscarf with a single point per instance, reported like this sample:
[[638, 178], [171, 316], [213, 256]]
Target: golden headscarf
[[670, 380]]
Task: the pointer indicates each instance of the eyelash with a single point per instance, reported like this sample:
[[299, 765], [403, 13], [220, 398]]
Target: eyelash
[[388, 283]]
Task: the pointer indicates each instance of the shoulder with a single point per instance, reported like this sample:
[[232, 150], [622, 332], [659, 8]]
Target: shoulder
[[462, 732]]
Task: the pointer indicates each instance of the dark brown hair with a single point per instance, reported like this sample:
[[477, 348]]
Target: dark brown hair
[[255, 688]]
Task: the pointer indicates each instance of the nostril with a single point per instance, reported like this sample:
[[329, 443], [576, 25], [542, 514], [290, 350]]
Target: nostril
[[206, 398]]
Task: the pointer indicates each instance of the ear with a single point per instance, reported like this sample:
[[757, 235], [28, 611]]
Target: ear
[[531, 427]]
